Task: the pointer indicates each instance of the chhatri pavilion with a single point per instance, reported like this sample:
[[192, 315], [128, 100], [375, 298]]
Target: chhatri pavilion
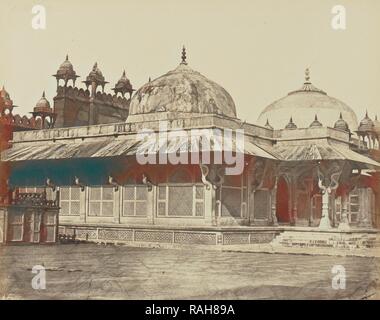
[[308, 164]]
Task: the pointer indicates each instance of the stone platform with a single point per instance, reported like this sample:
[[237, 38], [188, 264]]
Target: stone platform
[[276, 239], [208, 236]]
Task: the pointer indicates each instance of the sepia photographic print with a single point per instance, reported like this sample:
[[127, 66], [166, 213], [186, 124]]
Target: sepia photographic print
[[190, 150]]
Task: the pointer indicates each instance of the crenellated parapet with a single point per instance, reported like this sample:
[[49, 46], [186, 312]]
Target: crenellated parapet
[[83, 95], [21, 122], [75, 106], [16, 122], [72, 92]]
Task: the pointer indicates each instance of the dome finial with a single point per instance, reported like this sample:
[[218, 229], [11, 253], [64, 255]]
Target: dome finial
[[307, 75], [267, 125], [291, 124], [43, 94], [315, 123], [67, 57], [183, 55], [340, 124]]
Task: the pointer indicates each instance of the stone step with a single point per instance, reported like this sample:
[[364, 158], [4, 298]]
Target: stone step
[[330, 239]]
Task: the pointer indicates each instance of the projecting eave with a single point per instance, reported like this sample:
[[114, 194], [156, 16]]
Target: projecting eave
[[322, 151], [129, 145]]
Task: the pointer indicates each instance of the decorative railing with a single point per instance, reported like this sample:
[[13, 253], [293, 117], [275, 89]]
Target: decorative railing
[[34, 200]]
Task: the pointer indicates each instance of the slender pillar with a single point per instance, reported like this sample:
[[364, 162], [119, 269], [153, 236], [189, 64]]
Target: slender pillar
[[274, 204], [325, 222], [365, 208], [83, 200], [344, 224], [295, 201], [209, 198], [92, 111], [311, 216]]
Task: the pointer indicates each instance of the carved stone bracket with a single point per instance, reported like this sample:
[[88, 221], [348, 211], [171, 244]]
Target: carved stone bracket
[[212, 175], [328, 182], [263, 174]]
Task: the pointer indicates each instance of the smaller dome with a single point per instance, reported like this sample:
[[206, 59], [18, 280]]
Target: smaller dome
[[366, 124], [291, 125], [66, 71], [315, 123], [123, 85], [267, 125], [42, 105], [340, 124], [95, 76], [6, 97], [66, 66], [4, 94]]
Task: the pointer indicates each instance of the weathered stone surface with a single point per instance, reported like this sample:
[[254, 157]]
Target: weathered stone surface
[[183, 90]]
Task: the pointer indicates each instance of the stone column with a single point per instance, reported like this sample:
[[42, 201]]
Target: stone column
[[274, 204], [92, 106], [325, 222], [251, 214], [152, 204], [311, 216], [117, 209], [344, 224], [2, 225], [328, 183], [365, 208], [209, 198], [293, 207], [84, 204]]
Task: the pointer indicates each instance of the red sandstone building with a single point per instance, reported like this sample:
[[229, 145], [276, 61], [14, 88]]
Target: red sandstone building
[[314, 173]]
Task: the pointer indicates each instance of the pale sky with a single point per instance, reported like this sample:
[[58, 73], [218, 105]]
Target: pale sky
[[256, 49]]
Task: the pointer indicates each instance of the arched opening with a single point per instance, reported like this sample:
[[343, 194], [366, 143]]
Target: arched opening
[[282, 201]]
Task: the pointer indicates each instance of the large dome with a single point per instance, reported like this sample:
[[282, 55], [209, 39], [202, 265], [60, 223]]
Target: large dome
[[303, 105], [182, 90]]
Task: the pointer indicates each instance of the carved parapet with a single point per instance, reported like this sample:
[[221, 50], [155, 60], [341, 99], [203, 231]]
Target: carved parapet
[[21, 122], [34, 200], [73, 93], [85, 96]]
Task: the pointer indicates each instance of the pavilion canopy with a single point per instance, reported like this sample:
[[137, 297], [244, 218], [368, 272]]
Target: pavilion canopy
[[321, 151], [111, 147], [95, 161]]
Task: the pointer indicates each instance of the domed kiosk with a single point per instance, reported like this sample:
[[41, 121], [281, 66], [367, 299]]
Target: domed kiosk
[[304, 104], [182, 90]]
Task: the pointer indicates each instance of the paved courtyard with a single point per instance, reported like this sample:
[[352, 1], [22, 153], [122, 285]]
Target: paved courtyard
[[90, 271]]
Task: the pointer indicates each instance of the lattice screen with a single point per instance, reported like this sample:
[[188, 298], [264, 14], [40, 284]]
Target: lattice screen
[[231, 202], [101, 201], [180, 200], [70, 201], [262, 204], [353, 206], [16, 225], [135, 201]]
